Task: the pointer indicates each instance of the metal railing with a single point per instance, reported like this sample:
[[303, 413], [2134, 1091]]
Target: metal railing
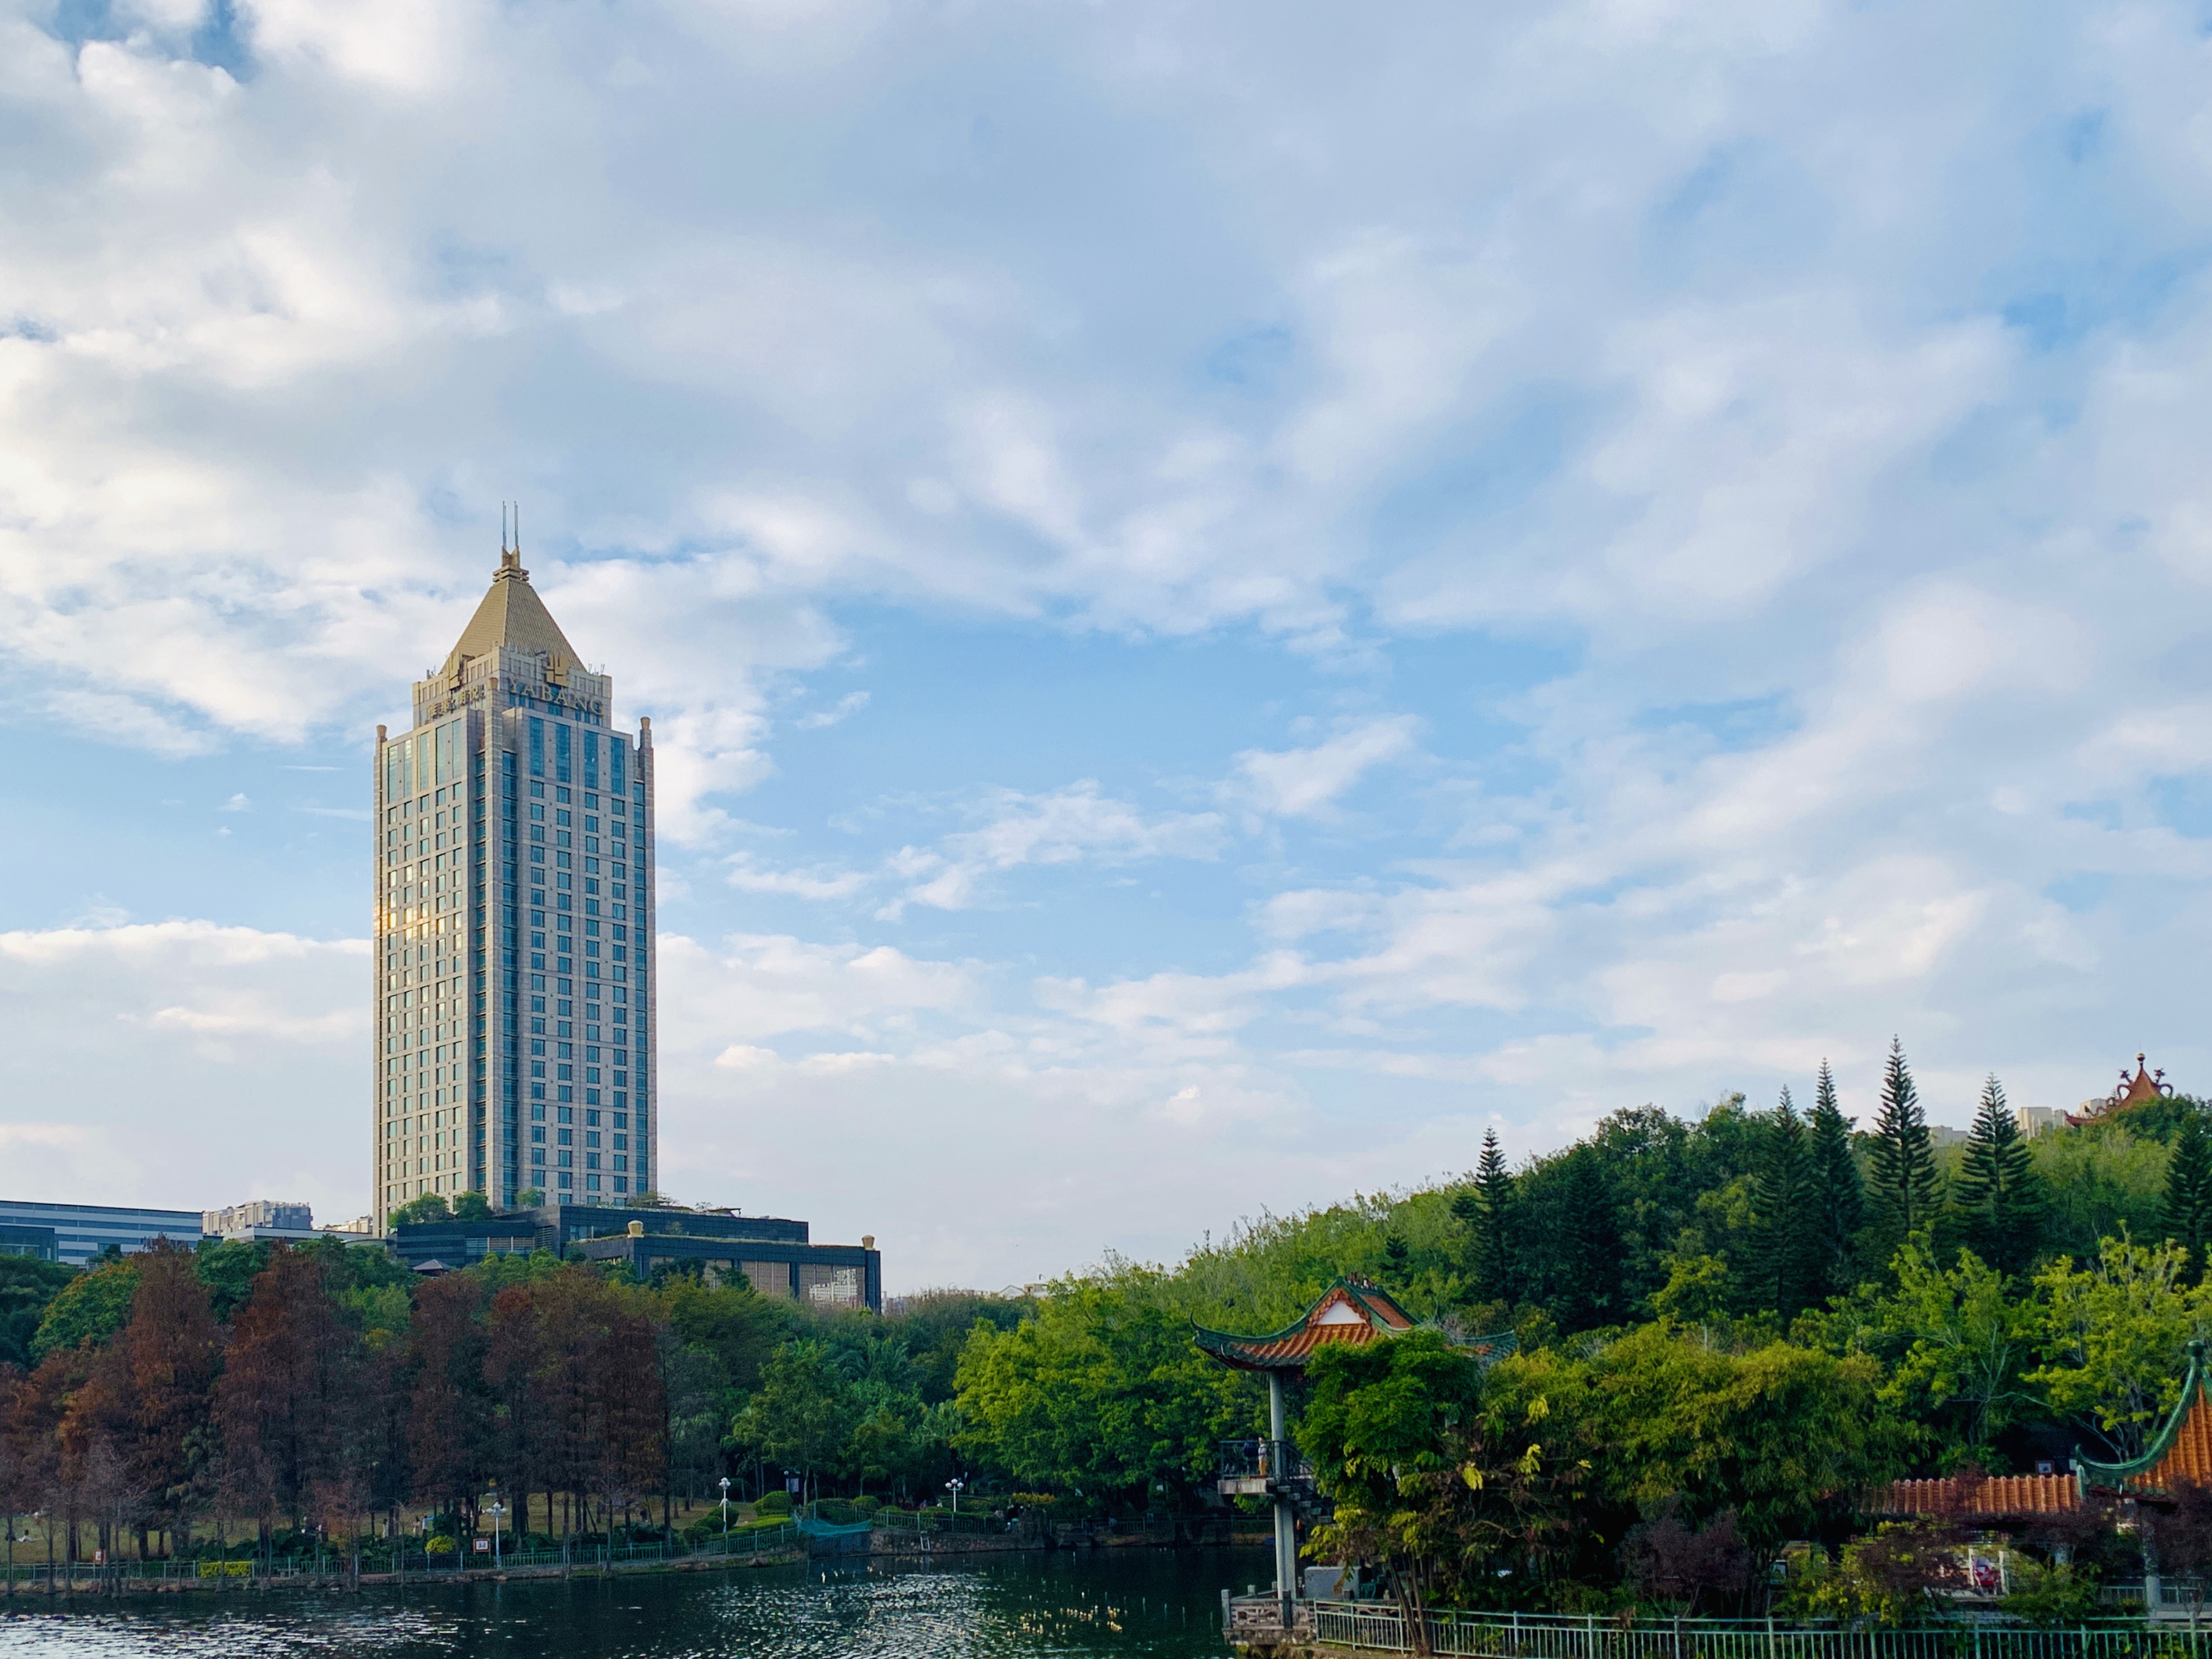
[[1267, 1459], [1378, 1627], [748, 1544]]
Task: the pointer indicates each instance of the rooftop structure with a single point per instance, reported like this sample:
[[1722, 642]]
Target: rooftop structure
[[2145, 1086], [515, 1016], [81, 1232], [259, 1218]]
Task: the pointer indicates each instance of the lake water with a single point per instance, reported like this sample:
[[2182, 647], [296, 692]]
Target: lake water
[[1136, 1602]]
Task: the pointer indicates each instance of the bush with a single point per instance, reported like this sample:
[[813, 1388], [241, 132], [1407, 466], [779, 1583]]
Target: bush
[[2051, 1596], [440, 1544], [776, 1502]]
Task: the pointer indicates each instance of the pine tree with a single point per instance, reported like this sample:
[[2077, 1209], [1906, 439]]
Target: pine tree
[[1487, 1211], [1902, 1158], [1838, 1198], [1786, 1209], [2189, 1190], [1588, 1292], [2000, 1202]]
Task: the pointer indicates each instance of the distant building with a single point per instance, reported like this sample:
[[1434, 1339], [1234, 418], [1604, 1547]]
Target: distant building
[[2035, 1120], [364, 1225], [38, 1244], [81, 1232], [514, 1013], [774, 1255], [260, 1218], [1943, 1134]]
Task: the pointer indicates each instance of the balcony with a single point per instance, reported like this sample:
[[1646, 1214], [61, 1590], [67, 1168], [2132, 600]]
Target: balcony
[[1263, 1469]]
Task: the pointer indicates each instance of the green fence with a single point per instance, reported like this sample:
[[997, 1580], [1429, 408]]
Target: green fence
[[1378, 1628]]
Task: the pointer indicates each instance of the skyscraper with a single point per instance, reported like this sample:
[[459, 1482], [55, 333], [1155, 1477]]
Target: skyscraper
[[514, 1018]]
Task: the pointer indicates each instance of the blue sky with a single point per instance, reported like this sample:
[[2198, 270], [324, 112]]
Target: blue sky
[[1229, 596]]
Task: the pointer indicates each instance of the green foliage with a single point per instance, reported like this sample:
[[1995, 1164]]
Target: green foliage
[[227, 1268], [2115, 1335], [1902, 1156], [1838, 1198], [1486, 1212], [1784, 1203], [776, 1504], [27, 1287], [1998, 1202], [2098, 1181], [1890, 1578], [1966, 1339], [2051, 1597], [472, 1207], [798, 1418], [91, 1308], [530, 1197], [2189, 1190], [1102, 1389], [431, 1206]]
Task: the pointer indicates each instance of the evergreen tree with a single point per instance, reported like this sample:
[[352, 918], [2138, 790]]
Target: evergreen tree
[[1784, 1195], [1588, 1288], [1902, 1158], [2000, 1202], [1488, 1213], [1838, 1198], [2189, 1190]]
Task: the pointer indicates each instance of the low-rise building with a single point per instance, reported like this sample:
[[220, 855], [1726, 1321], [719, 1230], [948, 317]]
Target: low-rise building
[[773, 1253], [81, 1232], [259, 1218], [38, 1244]]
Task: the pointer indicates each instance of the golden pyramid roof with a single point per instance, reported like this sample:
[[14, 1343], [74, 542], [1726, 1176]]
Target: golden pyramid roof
[[511, 614]]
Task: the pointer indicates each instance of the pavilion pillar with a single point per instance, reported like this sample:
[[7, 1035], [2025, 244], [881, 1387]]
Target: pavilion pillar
[[1286, 1524]]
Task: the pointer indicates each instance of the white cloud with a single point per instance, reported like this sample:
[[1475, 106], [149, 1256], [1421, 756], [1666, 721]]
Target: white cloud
[[1307, 782]]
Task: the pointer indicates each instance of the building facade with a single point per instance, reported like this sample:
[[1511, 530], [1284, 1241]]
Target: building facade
[[81, 1232], [515, 1027]]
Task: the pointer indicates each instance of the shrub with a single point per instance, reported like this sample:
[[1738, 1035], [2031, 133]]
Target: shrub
[[776, 1502]]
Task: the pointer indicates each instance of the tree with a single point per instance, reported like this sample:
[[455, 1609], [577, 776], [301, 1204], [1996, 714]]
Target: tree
[[166, 1358], [1838, 1202], [1999, 1201], [1435, 1477], [27, 1287], [278, 1406], [91, 1308], [1967, 1339], [2189, 1193], [798, 1420], [1784, 1198], [1589, 1290], [472, 1207], [449, 1418], [1902, 1158], [1487, 1213], [428, 1208], [2115, 1337], [1101, 1388]]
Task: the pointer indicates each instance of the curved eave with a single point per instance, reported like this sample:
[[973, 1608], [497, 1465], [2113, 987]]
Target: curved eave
[[2138, 1469]]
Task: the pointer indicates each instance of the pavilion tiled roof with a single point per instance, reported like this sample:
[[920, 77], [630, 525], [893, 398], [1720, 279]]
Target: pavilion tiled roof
[[1983, 1497], [2181, 1451], [1351, 1310]]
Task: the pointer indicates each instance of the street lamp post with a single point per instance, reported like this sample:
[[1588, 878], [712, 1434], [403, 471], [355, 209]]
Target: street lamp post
[[496, 1508], [953, 1485], [725, 1511]]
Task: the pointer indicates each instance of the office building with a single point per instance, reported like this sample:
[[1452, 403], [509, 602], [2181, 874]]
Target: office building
[[514, 1017], [81, 1232], [774, 1255], [258, 1219]]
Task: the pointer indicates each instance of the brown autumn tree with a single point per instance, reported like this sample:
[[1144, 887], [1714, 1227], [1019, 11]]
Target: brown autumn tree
[[449, 1427], [163, 1365], [523, 1426], [631, 1408], [279, 1405]]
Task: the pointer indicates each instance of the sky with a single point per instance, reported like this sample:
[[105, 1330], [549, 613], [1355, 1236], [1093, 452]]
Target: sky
[[1230, 596]]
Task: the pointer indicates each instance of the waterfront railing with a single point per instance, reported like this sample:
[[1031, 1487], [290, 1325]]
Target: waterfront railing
[[1378, 1628]]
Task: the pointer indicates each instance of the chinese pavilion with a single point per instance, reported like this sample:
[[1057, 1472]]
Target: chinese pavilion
[[1351, 1310], [2145, 1085]]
